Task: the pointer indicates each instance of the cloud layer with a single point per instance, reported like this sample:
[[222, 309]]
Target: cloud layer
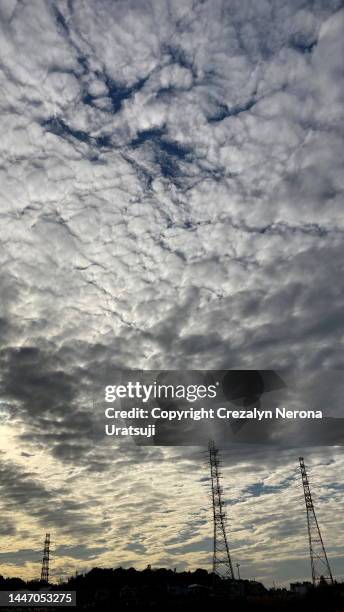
[[172, 180]]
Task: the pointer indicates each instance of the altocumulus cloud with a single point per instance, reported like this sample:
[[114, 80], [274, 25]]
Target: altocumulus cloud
[[171, 189]]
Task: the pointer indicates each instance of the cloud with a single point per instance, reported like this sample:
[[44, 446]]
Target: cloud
[[171, 198]]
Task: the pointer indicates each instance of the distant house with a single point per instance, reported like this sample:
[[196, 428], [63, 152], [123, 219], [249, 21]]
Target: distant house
[[300, 588]]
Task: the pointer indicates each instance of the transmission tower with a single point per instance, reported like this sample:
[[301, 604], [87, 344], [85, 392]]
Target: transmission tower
[[45, 559], [222, 564], [319, 562]]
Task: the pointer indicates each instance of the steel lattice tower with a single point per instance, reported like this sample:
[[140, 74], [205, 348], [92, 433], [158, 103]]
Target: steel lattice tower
[[222, 564], [319, 561], [45, 559]]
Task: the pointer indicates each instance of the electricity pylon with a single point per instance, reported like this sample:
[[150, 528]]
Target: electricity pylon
[[45, 559], [222, 564], [319, 562]]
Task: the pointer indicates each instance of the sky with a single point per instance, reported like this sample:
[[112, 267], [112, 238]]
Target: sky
[[171, 186]]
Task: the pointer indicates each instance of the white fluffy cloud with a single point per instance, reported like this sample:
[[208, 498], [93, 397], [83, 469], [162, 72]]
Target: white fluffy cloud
[[171, 189]]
